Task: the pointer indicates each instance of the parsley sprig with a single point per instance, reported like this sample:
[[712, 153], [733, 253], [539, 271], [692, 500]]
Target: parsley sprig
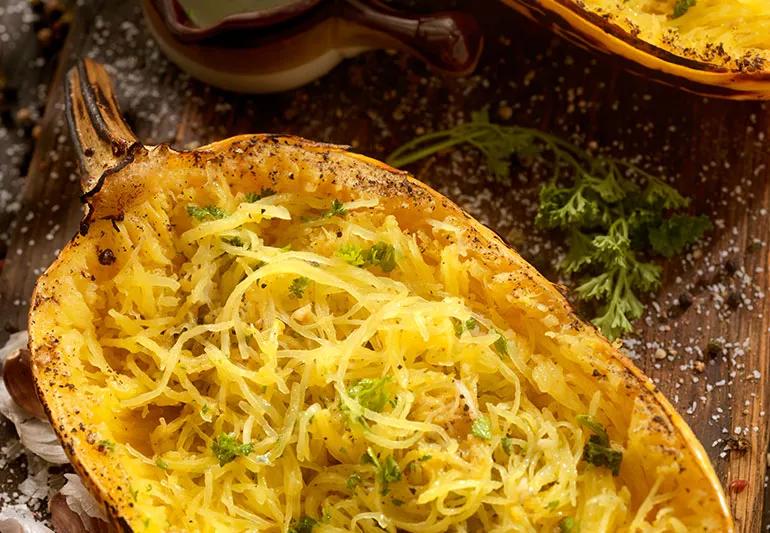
[[226, 448], [598, 451], [616, 217], [371, 393], [681, 7], [387, 469], [379, 254]]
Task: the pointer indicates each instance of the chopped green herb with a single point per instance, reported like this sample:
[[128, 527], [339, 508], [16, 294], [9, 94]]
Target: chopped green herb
[[598, 451], [202, 213], [337, 209], [552, 505], [234, 241], [426, 457], [354, 480], [352, 254], [458, 325], [252, 197], [304, 525], [595, 427], [681, 7], [106, 445], [226, 448], [501, 345], [298, 286], [206, 413], [382, 255], [388, 470], [481, 428], [471, 324], [371, 393], [568, 525], [160, 463], [507, 444]]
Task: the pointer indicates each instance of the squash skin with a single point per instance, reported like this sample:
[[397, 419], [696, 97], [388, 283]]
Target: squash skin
[[332, 168], [589, 30]]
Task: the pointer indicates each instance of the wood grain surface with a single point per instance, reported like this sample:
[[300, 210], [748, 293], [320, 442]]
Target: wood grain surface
[[711, 357]]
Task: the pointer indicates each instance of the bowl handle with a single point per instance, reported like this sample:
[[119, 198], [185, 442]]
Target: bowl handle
[[450, 41], [103, 140]]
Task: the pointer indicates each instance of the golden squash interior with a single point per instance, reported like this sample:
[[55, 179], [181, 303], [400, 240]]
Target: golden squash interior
[[268, 334], [732, 34]]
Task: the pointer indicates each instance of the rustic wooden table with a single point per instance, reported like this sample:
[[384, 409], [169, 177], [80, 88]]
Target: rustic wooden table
[[713, 150]]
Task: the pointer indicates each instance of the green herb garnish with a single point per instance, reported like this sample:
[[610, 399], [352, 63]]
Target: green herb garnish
[[234, 241], [252, 197], [598, 451], [458, 326], [298, 286], [304, 525], [501, 345], [353, 481], [507, 444], [388, 470], [226, 448], [471, 323], [481, 428], [681, 7], [160, 463], [615, 216], [380, 254], [202, 213], [352, 254], [568, 525], [371, 393], [383, 255], [337, 209]]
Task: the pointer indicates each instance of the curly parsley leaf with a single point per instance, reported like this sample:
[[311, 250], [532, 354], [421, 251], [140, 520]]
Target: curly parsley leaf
[[681, 7], [352, 254], [381, 254], [387, 470], [252, 197], [353, 480], [598, 451], [371, 393], [297, 287], [568, 525], [677, 233], [337, 209], [305, 524], [481, 428], [226, 448], [202, 213]]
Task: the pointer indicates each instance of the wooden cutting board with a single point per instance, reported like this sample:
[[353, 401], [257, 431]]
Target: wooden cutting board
[[711, 357]]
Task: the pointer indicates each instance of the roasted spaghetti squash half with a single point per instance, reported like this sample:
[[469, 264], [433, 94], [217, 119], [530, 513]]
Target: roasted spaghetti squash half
[[270, 334], [715, 47]]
